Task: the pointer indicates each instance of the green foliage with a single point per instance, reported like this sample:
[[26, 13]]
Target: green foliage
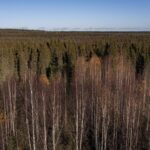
[[66, 141], [17, 64], [12, 143], [42, 52], [67, 66], [53, 67]]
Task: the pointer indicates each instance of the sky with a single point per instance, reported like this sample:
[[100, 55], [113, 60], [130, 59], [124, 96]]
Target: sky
[[75, 14]]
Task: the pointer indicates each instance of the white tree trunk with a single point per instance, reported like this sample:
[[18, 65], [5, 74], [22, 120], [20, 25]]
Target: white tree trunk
[[44, 122], [33, 111]]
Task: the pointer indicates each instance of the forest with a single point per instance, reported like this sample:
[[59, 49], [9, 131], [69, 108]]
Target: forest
[[74, 90]]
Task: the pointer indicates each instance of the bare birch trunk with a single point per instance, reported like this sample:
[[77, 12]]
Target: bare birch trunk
[[77, 118], [27, 120], [44, 121], [83, 107], [33, 111], [53, 120]]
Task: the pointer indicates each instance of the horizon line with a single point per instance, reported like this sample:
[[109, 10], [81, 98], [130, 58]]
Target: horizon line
[[94, 29]]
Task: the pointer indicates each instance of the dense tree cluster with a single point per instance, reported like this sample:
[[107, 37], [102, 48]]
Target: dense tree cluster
[[74, 90]]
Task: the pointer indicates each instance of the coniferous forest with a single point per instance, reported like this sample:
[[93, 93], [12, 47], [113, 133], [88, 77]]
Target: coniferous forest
[[74, 90]]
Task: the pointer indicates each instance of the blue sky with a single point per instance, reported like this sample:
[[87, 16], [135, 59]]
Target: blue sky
[[50, 14]]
